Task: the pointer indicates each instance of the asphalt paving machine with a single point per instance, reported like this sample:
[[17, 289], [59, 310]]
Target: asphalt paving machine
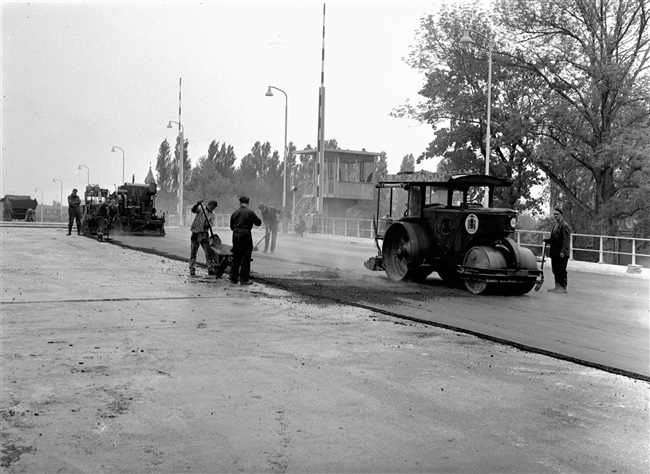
[[136, 211], [437, 223]]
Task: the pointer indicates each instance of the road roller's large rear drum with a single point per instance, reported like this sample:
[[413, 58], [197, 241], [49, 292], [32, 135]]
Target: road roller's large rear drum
[[404, 249]]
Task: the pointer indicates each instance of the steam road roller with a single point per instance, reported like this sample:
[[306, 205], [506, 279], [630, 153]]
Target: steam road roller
[[436, 222]]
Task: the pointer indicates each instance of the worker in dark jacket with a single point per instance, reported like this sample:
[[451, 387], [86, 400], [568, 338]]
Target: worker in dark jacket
[[560, 241], [241, 223], [271, 217], [74, 211]]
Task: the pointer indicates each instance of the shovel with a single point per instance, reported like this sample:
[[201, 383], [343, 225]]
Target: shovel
[[541, 282], [215, 240], [255, 249]]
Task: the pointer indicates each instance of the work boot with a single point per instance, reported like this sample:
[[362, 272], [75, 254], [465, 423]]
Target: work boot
[[553, 290], [192, 271], [561, 289], [69, 233], [211, 271], [247, 282]]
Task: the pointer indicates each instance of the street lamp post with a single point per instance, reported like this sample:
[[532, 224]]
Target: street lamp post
[[467, 39], [113, 150], [61, 202], [42, 203], [269, 93], [181, 149], [87, 169]]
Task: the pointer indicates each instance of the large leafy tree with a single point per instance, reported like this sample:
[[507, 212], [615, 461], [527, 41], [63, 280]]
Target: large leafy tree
[[166, 199], [260, 162], [207, 182], [456, 93], [570, 87], [592, 58], [163, 167], [223, 158], [408, 163], [260, 174]]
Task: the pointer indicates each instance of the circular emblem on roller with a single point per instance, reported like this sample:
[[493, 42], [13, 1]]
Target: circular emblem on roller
[[471, 224]]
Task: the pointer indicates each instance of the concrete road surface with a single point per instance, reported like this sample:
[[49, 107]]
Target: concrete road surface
[[116, 361]]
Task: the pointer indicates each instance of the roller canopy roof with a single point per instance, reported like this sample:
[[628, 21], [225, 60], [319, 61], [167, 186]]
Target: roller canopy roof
[[442, 179]]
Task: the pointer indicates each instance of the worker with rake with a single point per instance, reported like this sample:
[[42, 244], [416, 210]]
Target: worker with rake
[[203, 221], [271, 216]]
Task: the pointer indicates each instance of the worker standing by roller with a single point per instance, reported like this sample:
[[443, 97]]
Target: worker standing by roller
[[560, 241], [241, 223], [271, 216], [200, 236]]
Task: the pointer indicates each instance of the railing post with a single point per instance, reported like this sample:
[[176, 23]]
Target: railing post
[[345, 227], [600, 250], [633, 251], [571, 247]]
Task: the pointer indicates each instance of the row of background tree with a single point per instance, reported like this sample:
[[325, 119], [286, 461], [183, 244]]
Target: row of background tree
[[258, 176], [570, 114]]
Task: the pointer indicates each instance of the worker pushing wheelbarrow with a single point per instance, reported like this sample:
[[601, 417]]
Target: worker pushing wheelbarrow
[[217, 256]]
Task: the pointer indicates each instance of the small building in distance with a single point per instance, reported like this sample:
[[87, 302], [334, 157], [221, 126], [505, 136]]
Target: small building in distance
[[347, 181]]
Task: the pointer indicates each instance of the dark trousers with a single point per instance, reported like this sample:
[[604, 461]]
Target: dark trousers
[[202, 239], [242, 251], [102, 225], [74, 213], [272, 235], [559, 265]]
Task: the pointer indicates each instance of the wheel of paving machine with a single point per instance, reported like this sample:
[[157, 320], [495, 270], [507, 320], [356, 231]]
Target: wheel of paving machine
[[404, 249]]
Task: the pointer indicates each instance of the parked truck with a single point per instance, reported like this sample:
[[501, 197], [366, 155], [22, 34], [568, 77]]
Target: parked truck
[[15, 207]]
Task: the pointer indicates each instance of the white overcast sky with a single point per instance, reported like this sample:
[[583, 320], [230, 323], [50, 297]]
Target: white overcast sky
[[81, 77]]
